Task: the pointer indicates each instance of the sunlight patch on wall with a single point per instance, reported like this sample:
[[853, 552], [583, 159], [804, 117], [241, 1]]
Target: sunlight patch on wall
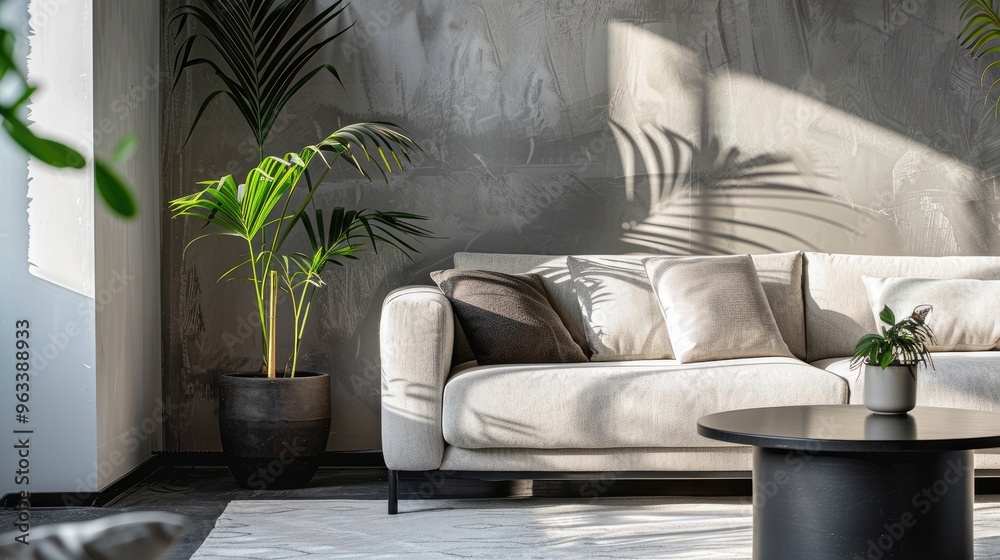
[[61, 211], [734, 163]]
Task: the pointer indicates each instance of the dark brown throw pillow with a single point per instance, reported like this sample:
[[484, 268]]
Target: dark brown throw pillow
[[507, 317]]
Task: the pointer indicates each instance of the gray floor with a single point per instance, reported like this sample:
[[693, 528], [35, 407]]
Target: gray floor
[[202, 493]]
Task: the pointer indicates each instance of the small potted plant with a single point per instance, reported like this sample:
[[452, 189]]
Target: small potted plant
[[890, 361]]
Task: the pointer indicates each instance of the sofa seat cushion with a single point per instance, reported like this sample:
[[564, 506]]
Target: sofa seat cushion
[[968, 380], [609, 461], [648, 403]]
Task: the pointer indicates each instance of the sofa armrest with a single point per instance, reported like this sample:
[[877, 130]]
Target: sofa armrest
[[416, 336]]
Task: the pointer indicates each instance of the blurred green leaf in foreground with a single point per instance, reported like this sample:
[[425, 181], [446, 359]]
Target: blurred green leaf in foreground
[[112, 189]]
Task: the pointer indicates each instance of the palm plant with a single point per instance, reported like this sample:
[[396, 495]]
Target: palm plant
[[903, 343], [980, 35], [258, 212], [260, 60]]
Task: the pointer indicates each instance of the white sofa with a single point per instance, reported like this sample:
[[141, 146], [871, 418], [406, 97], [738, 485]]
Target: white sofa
[[640, 416]]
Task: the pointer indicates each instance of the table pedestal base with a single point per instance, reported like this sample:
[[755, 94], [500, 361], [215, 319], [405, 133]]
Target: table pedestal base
[[870, 506]]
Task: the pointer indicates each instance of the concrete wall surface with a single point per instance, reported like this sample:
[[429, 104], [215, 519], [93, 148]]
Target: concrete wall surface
[[127, 90]]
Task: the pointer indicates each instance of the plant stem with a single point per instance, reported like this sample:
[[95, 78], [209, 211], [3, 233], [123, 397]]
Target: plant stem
[[300, 323], [276, 239], [271, 346], [258, 288]]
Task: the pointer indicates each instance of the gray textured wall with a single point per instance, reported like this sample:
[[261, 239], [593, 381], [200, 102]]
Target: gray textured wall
[[127, 271], [576, 126]]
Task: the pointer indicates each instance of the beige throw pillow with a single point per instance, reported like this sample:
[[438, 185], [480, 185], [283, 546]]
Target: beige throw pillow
[[966, 315], [621, 317], [715, 308]]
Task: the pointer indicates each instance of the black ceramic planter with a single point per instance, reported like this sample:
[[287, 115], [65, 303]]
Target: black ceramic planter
[[274, 430]]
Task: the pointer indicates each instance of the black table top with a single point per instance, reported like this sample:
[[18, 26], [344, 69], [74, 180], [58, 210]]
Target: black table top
[[854, 428]]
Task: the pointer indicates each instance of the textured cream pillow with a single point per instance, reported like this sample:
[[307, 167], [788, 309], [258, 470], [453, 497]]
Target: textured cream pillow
[[966, 315], [621, 317], [715, 308]]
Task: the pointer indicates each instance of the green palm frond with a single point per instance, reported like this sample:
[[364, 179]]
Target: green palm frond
[[346, 232], [378, 138], [355, 143], [256, 52], [980, 35], [115, 192], [248, 210], [257, 211]]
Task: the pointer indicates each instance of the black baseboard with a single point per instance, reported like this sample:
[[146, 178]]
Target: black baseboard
[[637, 483], [987, 481], [161, 460], [86, 499], [580, 484]]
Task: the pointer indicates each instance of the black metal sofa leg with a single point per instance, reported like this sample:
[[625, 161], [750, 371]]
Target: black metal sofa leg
[[393, 492]]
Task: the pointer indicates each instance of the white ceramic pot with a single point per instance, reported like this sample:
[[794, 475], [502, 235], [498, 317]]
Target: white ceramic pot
[[892, 390]]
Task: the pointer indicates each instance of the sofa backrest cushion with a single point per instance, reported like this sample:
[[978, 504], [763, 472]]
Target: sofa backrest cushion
[[837, 310], [965, 314], [621, 316], [780, 274]]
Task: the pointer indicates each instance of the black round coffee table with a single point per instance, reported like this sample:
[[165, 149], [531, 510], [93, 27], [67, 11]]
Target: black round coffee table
[[841, 482]]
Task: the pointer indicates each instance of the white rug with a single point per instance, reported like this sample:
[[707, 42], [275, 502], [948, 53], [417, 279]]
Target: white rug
[[683, 528]]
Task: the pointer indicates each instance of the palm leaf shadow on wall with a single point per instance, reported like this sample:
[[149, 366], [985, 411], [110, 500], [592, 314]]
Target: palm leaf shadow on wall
[[694, 201]]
